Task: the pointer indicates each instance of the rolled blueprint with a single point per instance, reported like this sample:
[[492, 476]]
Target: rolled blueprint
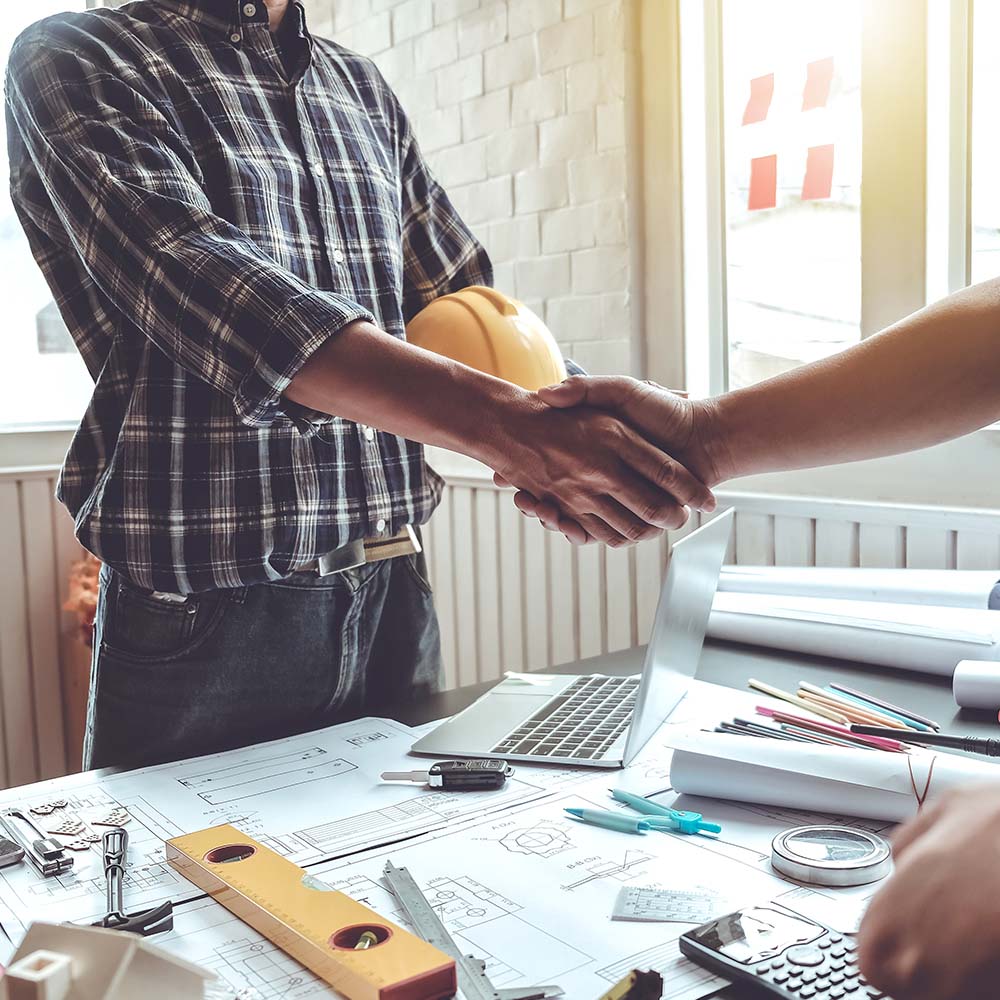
[[976, 684], [871, 784], [954, 588], [907, 636]]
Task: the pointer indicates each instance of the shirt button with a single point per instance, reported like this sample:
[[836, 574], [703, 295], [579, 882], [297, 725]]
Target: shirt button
[[380, 524], [317, 169], [250, 9], [235, 37], [338, 256], [369, 434]]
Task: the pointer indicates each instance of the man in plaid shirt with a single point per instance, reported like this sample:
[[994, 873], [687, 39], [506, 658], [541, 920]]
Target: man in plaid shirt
[[236, 223]]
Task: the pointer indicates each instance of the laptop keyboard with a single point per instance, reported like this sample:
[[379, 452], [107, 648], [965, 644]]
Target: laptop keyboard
[[583, 722]]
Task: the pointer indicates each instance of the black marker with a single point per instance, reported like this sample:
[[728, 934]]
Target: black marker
[[967, 744]]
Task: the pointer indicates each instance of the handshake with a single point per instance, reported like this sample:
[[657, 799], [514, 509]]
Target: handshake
[[612, 459]]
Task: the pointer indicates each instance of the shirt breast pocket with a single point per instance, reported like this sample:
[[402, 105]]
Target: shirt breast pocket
[[383, 218]]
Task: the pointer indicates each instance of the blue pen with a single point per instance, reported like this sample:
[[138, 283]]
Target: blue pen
[[679, 819], [873, 707], [611, 820]]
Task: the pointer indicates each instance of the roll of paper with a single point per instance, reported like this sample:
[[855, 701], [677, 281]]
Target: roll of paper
[[866, 783], [906, 636], [956, 588], [976, 684]]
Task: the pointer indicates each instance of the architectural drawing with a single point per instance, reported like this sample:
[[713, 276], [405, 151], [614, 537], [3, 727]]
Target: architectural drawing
[[544, 840]]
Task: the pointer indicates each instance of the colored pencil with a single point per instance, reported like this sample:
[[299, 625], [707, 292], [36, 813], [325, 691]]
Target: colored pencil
[[882, 743], [851, 714], [832, 741], [879, 703], [854, 712], [826, 713], [884, 712]]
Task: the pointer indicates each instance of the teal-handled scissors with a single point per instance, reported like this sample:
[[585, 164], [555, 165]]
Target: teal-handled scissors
[[664, 818]]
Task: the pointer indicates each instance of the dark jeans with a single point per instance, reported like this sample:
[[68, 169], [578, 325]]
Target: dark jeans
[[233, 667]]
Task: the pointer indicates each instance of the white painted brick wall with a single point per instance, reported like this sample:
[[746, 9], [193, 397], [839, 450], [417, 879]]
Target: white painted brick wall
[[519, 107]]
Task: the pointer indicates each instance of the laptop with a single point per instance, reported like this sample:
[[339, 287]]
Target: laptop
[[596, 720]]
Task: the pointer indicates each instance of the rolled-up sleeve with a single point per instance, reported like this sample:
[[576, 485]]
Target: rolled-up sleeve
[[122, 183], [441, 254]]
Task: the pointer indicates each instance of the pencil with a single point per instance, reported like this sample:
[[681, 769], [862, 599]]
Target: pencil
[[882, 743], [826, 713], [888, 705], [884, 712], [853, 712]]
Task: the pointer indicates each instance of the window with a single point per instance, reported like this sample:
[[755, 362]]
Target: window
[[792, 155], [46, 382], [784, 105]]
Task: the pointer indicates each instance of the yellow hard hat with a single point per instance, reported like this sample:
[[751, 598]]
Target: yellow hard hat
[[487, 330]]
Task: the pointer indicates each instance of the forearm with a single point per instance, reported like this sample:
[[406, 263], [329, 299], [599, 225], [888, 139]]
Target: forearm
[[366, 375], [932, 377]]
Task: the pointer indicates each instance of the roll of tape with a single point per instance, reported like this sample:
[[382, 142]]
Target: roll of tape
[[976, 684]]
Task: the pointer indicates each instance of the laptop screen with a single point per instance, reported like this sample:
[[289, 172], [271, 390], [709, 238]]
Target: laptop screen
[[679, 627]]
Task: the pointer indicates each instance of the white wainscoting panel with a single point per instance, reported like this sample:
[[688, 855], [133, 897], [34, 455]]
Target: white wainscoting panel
[[36, 539]]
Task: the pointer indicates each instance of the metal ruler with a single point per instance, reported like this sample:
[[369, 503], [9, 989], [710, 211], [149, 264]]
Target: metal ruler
[[473, 983]]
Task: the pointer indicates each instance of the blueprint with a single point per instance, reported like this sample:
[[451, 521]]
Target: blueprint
[[310, 798], [517, 881], [532, 891]]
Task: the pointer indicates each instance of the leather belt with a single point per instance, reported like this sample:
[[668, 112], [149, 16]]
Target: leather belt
[[363, 551]]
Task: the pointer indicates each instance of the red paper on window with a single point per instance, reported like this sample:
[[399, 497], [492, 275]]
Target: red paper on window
[[763, 182], [761, 92], [818, 181], [819, 76]]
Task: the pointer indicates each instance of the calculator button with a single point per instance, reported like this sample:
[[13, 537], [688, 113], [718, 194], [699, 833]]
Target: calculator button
[[837, 964], [807, 991], [851, 986], [809, 976], [835, 938], [779, 978], [838, 952], [805, 956], [836, 977], [874, 993], [825, 943], [763, 970], [778, 963], [836, 992]]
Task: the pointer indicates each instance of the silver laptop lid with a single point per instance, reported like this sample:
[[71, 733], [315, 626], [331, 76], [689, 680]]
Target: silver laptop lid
[[679, 627]]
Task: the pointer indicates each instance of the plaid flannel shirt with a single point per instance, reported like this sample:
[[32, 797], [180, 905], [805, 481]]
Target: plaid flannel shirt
[[207, 214]]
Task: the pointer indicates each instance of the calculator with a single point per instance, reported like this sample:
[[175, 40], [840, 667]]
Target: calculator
[[783, 953]]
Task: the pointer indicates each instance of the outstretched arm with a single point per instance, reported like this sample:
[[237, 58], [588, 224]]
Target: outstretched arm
[[931, 377]]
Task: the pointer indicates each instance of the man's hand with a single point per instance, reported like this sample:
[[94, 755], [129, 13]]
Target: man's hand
[[592, 465], [933, 931], [681, 427], [601, 473]]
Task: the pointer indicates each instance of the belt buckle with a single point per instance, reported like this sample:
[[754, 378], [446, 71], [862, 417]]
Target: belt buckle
[[349, 556], [403, 543]]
